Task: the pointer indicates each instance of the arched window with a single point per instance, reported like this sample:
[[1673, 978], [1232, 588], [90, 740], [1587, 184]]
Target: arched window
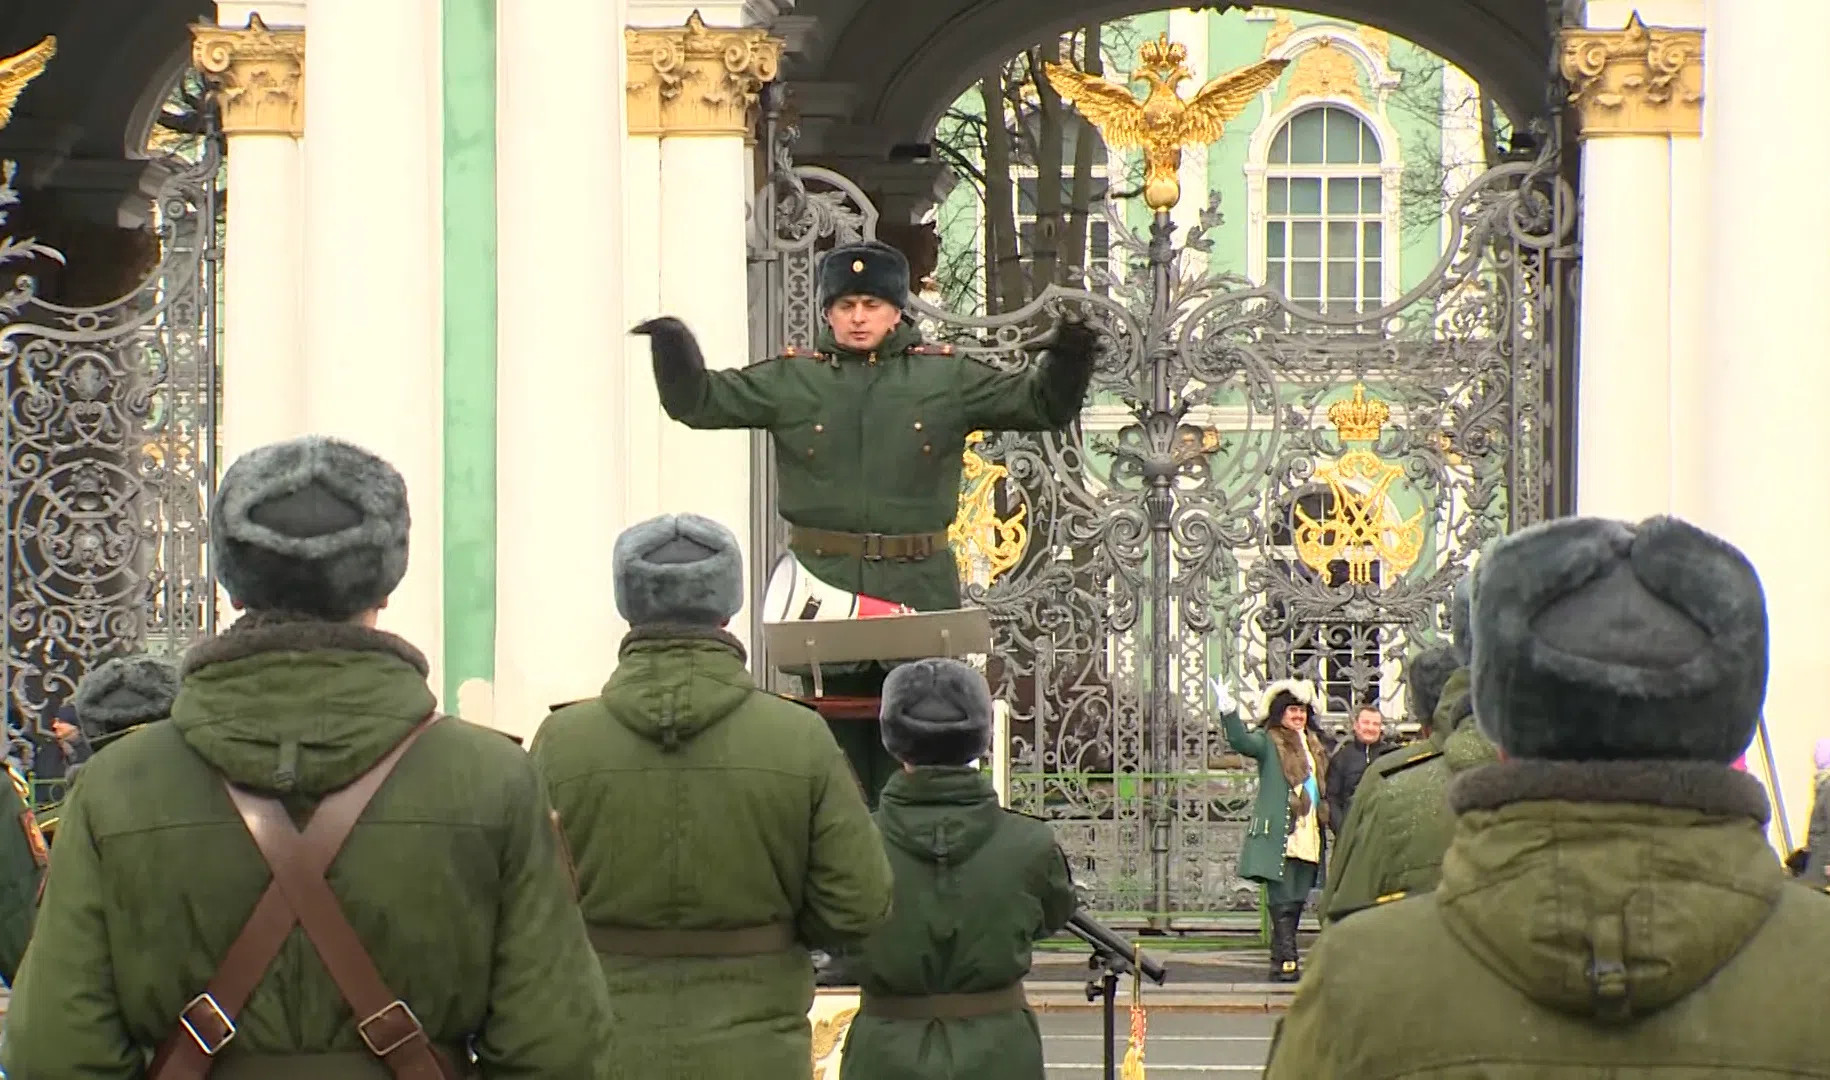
[[1325, 212]]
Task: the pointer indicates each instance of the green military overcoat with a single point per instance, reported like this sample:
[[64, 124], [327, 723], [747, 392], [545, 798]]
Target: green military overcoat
[[23, 855], [1400, 824], [1626, 934], [975, 886], [691, 800], [1261, 856], [452, 877], [872, 443]]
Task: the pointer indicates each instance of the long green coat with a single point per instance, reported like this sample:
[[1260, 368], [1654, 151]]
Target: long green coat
[[1261, 856], [1400, 825], [692, 800], [975, 886], [1581, 940], [452, 877], [22, 854], [872, 443]]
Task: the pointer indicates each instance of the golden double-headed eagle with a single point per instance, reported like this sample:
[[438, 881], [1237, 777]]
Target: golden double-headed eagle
[[1162, 123], [17, 72]]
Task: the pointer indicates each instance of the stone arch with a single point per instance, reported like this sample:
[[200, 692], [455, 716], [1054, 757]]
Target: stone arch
[[901, 63]]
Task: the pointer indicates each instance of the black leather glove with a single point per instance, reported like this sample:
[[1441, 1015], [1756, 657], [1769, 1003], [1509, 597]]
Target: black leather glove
[[1072, 339], [679, 366]]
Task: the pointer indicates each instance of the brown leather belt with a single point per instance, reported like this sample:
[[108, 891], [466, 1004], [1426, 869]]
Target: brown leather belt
[[946, 1006], [745, 941], [871, 547], [232, 1066]]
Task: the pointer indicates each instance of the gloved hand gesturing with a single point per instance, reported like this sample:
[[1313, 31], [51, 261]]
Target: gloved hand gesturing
[[1072, 337], [1224, 701], [676, 351]]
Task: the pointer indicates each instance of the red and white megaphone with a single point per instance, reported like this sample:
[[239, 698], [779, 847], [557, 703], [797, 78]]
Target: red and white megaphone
[[795, 595]]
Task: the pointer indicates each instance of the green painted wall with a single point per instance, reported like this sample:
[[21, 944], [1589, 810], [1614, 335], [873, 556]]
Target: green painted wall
[[469, 77]]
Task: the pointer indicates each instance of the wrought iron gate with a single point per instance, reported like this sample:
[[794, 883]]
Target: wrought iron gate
[[1256, 491], [108, 454]]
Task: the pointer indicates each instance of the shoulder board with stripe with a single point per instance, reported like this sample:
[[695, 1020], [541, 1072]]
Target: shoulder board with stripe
[[567, 704], [1019, 813], [20, 784], [1388, 898], [1401, 766], [794, 352], [930, 350]]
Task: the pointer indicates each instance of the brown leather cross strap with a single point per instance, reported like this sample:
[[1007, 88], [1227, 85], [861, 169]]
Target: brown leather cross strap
[[871, 547], [299, 895]]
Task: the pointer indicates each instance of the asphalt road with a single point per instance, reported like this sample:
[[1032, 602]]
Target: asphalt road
[[1183, 1045]]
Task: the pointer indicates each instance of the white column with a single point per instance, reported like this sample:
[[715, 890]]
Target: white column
[[259, 65], [373, 334], [559, 445], [1768, 259], [1623, 464], [704, 283], [1188, 27], [687, 191], [1636, 379]]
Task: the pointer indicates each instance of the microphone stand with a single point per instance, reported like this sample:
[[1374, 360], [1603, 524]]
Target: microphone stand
[[1112, 958]]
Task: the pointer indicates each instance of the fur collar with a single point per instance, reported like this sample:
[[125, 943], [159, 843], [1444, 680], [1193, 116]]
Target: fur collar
[[1296, 767], [268, 631], [679, 633], [1673, 785]]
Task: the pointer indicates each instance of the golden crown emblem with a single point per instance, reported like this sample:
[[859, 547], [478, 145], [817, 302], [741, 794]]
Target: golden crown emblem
[[1360, 419], [1162, 55]]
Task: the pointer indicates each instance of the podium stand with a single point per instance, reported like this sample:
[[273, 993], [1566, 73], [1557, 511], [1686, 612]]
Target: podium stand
[[886, 639]]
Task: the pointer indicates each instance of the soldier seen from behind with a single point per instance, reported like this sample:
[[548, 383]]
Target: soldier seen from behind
[[124, 695], [869, 428], [423, 917], [1394, 840], [942, 982], [717, 831], [1609, 906], [1284, 842]]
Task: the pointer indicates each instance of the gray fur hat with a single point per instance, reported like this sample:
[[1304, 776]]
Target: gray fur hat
[[1600, 640], [871, 268], [123, 693], [311, 525], [936, 712], [1461, 618], [678, 568], [1425, 675]]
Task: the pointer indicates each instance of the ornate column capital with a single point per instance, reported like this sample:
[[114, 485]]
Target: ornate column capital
[[257, 74], [697, 80], [1642, 80]]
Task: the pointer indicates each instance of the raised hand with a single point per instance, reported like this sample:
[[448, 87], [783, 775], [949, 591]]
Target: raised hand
[[1224, 700]]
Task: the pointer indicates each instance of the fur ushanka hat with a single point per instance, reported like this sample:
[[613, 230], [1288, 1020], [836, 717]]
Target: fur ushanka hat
[[867, 269], [1461, 619], [313, 526], [935, 712], [1425, 675], [125, 693], [681, 569], [1599, 640]]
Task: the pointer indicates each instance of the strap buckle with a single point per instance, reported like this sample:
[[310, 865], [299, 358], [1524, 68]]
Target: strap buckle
[[214, 1015], [413, 1028], [872, 546]]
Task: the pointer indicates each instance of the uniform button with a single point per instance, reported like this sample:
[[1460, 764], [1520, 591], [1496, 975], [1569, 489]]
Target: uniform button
[[927, 448], [918, 425], [819, 429], [809, 451]]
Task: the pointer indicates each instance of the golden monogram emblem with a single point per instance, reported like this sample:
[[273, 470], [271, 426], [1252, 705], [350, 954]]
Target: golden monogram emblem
[[1358, 529]]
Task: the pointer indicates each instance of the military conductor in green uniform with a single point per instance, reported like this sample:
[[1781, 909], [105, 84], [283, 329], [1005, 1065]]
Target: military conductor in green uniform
[[869, 428]]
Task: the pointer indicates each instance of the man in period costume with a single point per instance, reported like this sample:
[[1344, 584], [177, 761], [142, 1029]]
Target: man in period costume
[[1393, 843], [942, 983], [1284, 842], [1609, 905], [716, 829], [869, 429], [423, 917]]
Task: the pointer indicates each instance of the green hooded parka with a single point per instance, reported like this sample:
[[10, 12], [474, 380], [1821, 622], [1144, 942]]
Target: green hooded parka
[[976, 885]]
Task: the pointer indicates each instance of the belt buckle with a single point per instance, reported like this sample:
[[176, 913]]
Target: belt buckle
[[210, 1048], [413, 1028], [873, 547]]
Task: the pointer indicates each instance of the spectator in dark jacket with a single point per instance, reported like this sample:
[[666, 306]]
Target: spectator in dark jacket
[[1350, 761]]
